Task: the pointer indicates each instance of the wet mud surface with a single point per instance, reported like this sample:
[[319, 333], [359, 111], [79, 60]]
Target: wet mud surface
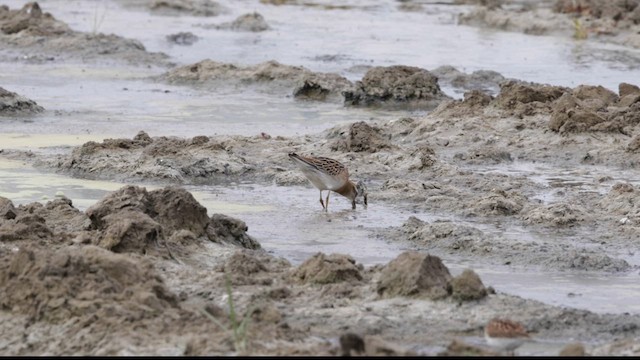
[[133, 228]]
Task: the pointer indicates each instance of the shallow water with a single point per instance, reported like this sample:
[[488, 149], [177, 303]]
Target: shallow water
[[289, 222]]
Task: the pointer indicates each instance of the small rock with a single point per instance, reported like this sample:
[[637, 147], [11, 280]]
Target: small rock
[[468, 286], [575, 349], [415, 274]]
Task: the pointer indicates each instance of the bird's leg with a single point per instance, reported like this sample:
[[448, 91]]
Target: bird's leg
[[326, 203], [321, 202]]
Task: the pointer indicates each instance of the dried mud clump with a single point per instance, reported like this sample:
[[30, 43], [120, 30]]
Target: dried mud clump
[[183, 38], [560, 215], [499, 202], [7, 210], [361, 137], [14, 104], [223, 228], [25, 227], [467, 287], [41, 36], [133, 219], [595, 108], [415, 274], [253, 22], [197, 160], [523, 98], [30, 20], [396, 87], [303, 82], [184, 7], [84, 281], [479, 80], [585, 260], [328, 269]]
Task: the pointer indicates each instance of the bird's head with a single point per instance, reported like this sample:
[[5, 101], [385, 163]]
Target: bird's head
[[360, 190]]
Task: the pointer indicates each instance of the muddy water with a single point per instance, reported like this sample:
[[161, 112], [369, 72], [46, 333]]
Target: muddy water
[[289, 222]]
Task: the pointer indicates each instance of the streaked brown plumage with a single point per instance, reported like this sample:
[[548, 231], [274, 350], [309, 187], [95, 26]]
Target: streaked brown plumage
[[505, 334], [329, 174]]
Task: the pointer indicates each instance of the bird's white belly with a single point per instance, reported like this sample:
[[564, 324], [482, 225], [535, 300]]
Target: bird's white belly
[[505, 343], [323, 181]]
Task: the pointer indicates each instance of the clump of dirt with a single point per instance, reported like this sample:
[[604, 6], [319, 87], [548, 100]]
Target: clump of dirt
[[183, 38], [223, 228], [32, 30], [301, 81], [415, 274], [84, 281], [467, 286], [195, 160], [328, 269], [252, 22], [479, 80], [60, 215], [615, 22], [25, 227], [573, 349], [12, 104], [187, 7], [522, 98], [51, 223], [396, 86], [558, 215], [500, 202], [459, 348], [135, 220], [614, 10], [7, 210], [361, 137], [30, 20]]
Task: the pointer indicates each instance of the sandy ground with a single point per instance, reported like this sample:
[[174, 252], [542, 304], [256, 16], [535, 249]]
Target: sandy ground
[[150, 272]]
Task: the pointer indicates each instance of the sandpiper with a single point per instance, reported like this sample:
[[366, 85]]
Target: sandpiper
[[329, 174], [505, 335]]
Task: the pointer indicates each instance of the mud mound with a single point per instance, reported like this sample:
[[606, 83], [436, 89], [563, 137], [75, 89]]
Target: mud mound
[[396, 86], [252, 22], [187, 7], [467, 287], [30, 20], [196, 160], [25, 227], [415, 274], [244, 263], [560, 215], [133, 220], [321, 87], [594, 108], [56, 220], [60, 215], [183, 38], [298, 79], [614, 10], [443, 234], [31, 30], [14, 104], [7, 210], [361, 137], [85, 281], [582, 259], [486, 80], [328, 269], [500, 202], [223, 228], [524, 98]]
